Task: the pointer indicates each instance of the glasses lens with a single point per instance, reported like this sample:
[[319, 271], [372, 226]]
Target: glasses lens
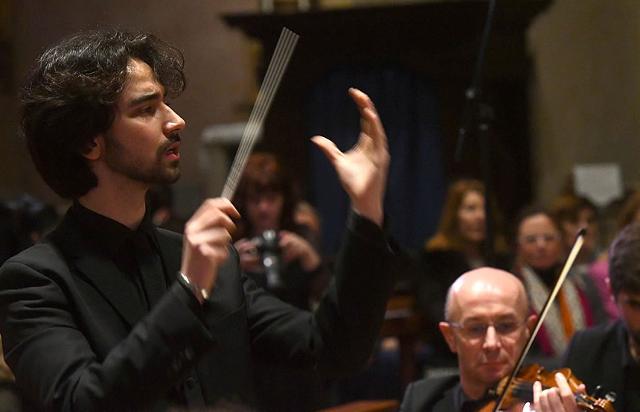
[[477, 330]]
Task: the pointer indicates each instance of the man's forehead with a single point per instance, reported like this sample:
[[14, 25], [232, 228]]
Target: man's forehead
[[141, 78], [486, 292], [484, 309]]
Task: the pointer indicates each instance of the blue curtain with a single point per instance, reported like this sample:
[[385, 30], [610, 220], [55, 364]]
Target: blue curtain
[[408, 108]]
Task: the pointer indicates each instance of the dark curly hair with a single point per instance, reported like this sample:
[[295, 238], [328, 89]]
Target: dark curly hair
[[69, 97], [624, 260]]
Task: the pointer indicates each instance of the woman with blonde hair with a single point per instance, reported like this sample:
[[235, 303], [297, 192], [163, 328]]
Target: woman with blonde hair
[[457, 247]]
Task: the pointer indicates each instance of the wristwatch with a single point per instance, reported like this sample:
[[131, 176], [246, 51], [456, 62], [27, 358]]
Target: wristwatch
[[200, 293]]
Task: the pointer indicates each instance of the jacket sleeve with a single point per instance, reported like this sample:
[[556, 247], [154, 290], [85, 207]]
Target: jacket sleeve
[[44, 343], [339, 337]]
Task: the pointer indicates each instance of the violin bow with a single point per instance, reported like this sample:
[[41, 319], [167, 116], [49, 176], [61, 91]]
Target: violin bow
[[547, 305], [253, 129]]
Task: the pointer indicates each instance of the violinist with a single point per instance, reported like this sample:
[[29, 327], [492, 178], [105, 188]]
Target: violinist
[[609, 355], [487, 325]]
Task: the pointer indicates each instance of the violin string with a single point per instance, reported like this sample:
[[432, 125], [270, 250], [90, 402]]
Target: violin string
[[277, 66]]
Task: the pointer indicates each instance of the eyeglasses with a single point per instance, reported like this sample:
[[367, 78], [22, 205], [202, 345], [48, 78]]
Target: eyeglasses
[[547, 237], [478, 330]]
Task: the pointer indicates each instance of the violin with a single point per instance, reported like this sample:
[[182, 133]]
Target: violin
[[521, 390]]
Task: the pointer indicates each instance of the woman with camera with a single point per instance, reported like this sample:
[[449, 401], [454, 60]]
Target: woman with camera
[[278, 238], [278, 243]]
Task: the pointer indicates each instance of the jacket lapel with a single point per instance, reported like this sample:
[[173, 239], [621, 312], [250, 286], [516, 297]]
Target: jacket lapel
[[101, 272]]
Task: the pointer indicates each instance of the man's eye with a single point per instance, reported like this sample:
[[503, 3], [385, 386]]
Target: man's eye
[[506, 327], [476, 329], [148, 110]]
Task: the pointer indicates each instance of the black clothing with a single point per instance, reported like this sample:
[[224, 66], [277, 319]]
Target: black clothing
[[441, 394], [600, 356], [438, 269], [77, 337], [135, 252]]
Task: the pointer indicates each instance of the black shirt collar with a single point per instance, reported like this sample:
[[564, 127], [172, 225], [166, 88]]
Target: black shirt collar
[[109, 234], [462, 402]]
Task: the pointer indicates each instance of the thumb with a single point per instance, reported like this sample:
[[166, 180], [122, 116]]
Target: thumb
[[328, 147]]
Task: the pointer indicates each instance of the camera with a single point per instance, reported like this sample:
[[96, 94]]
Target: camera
[[267, 244]]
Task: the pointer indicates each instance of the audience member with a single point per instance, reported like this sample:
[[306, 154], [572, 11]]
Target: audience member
[[25, 220], [160, 207], [269, 233], [457, 247], [282, 256], [539, 260], [573, 213]]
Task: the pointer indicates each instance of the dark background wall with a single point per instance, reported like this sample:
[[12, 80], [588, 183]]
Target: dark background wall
[[584, 87], [218, 68]]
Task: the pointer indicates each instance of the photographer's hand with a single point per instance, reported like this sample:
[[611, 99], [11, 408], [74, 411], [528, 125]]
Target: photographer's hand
[[295, 247], [363, 169]]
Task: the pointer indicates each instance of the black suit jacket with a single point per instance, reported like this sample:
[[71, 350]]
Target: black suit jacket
[[431, 395], [596, 357], [75, 341]]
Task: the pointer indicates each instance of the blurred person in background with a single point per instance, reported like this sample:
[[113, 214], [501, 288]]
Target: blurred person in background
[[573, 213], [277, 223], [278, 242], [160, 206], [25, 220], [539, 259], [456, 248]]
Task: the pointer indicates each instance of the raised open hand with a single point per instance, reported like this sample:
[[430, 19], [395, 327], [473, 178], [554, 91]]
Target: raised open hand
[[363, 169]]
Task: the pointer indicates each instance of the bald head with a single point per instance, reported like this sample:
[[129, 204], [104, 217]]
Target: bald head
[[479, 285]]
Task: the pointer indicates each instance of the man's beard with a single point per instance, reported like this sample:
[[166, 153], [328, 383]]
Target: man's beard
[[159, 172]]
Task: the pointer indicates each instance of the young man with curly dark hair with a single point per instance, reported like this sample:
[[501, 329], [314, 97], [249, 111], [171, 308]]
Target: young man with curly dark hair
[[111, 313]]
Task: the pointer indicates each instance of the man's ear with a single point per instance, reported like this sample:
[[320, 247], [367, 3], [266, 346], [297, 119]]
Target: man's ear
[[94, 149], [447, 332], [531, 322]]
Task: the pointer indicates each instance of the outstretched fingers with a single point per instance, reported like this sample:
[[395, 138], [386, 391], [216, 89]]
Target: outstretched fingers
[[370, 122], [327, 147]]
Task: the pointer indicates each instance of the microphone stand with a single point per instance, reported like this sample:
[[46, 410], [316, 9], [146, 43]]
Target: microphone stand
[[476, 120]]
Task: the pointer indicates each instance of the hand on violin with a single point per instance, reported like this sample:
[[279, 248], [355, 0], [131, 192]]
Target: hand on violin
[[557, 399]]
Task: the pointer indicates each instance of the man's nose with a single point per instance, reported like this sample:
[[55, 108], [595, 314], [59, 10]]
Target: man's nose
[[174, 122], [491, 338]]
